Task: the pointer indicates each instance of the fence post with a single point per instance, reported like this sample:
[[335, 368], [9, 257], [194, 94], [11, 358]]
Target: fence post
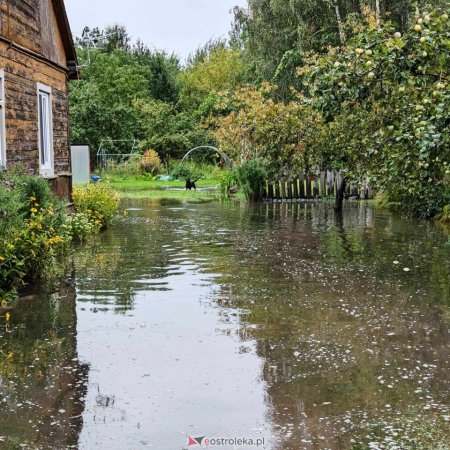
[[296, 187], [270, 190], [283, 188], [289, 188]]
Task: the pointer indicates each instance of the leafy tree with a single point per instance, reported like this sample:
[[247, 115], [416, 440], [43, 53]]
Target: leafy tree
[[212, 69], [170, 132], [276, 33], [101, 103], [386, 99], [258, 127], [162, 72]]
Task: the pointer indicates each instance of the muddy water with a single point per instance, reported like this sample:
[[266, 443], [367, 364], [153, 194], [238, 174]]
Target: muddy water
[[280, 323]]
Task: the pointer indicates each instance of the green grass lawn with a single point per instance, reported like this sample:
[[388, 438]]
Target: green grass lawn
[[139, 187]]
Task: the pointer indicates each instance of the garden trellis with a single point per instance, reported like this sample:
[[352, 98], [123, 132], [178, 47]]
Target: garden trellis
[[115, 150]]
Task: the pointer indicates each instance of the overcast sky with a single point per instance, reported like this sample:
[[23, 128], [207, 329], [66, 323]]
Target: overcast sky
[[180, 26]]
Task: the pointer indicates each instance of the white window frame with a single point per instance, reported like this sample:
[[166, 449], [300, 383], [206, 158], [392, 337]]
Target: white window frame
[[2, 120], [46, 159]]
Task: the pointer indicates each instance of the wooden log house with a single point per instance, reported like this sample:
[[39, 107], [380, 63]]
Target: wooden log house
[[37, 60]]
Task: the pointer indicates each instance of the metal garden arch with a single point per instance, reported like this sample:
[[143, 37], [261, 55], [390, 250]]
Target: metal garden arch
[[223, 155]]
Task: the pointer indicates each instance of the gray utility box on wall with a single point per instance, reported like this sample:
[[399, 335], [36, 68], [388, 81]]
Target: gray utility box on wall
[[81, 164]]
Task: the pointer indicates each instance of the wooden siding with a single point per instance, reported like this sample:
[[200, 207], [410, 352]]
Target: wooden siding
[[21, 23], [33, 25], [52, 43], [22, 73]]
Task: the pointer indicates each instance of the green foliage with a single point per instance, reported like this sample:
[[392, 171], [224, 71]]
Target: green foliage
[[386, 100], [445, 215], [278, 133], [81, 226], [32, 230], [102, 101], [227, 182], [99, 201], [129, 92], [215, 68], [169, 132], [183, 171], [150, 162], [126, 167], [251, 177], [163, 77], [276, 34]]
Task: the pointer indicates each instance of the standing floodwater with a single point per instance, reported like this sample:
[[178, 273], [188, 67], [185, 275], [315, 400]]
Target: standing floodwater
[[278, 322]]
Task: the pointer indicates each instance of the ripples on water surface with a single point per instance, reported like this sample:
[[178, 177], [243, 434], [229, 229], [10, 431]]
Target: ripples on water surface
[[280, 322]]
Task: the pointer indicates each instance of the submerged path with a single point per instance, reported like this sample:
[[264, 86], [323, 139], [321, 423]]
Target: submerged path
[[275, 322]]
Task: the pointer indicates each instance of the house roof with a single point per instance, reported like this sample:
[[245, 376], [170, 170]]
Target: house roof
[[66, 34]]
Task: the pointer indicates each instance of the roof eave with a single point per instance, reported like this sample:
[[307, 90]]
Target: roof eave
[[66, 34]]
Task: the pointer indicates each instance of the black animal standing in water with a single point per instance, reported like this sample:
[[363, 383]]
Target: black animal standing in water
[[191, 184]]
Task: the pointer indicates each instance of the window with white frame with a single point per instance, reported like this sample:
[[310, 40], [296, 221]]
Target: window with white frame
[[45, 130], [2, 121]]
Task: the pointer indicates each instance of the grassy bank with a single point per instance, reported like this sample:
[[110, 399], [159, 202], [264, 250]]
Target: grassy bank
[[141, 187]]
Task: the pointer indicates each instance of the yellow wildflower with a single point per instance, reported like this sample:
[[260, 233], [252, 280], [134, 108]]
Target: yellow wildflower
[[32, 199], [33, 210], [8, 316]]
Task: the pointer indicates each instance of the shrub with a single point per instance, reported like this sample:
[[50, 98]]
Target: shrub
[[130, 166], [81, 227], [251, 177], [37, 188], [227, 181], [180, 171], [99, 201], [151, 162], [192, 170], [11, 208], [32, 230], [445, 215]]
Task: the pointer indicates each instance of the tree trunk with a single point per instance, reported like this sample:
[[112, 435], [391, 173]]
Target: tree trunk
[[378, 12], [342, 35], [340, 195]]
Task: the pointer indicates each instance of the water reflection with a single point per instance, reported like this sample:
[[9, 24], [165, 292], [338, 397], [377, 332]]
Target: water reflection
[[280, 321], [42, 382]]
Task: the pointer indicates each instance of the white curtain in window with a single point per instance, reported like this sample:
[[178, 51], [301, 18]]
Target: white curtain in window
[[45, 130]]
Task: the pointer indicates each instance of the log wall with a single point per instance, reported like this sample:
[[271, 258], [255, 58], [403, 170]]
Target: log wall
[[32, 52]]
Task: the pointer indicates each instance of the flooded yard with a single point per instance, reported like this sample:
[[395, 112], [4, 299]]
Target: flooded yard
[[278, 323]]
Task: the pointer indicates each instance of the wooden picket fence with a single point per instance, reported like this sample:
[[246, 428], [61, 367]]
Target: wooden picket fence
[[312, 188]]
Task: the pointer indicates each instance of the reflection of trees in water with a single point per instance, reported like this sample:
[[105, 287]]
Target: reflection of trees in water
[[121, 263], [43, 386], [330, 315]]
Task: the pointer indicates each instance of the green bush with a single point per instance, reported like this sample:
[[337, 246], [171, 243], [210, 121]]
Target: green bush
[[130, 166], [11, 208], [81, 227], [251, 177], [183, 171], [445, 215], [99, 201], [227, 181], [32, 230], [35, 228], [37, 188], [150, 163]]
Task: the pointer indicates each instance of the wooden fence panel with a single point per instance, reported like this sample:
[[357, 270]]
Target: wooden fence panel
[[302, 186]]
